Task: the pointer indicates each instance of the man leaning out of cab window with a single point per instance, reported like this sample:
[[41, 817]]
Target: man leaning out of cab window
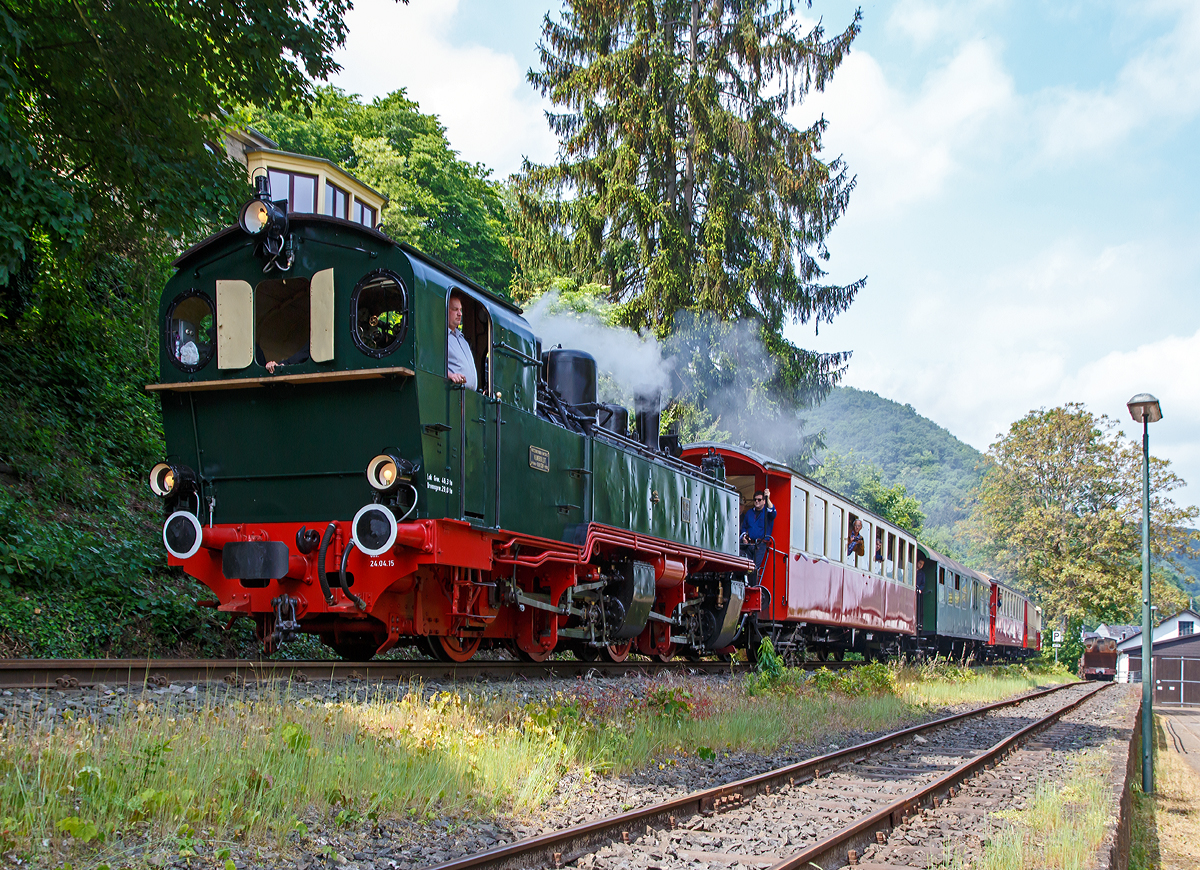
[[460, 365]]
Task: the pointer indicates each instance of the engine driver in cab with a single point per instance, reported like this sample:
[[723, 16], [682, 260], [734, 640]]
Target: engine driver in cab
[[460, 365]]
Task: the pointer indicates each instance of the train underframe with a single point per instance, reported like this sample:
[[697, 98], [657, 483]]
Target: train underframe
[[451, 589], [798, 642]]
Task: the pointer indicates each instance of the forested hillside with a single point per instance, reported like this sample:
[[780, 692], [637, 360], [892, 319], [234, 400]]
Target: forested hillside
[[935, 467]]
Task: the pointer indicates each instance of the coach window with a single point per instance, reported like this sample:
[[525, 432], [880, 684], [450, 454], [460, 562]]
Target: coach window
[[816, 527], [912, 564], [862, 559], [799, 516], [378, 309], [941, 585], [191, 331], [889, 566], [901, 573], [282, 321], [834, 539]]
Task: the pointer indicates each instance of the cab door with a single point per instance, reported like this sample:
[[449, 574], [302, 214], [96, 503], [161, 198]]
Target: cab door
[[475, 412], [477, 424]]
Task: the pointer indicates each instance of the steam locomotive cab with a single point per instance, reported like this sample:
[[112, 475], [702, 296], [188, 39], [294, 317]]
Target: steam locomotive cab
[[325, 476]]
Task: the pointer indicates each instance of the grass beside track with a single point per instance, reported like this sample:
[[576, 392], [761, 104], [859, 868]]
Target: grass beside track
[[1061, 828], [191, 781]]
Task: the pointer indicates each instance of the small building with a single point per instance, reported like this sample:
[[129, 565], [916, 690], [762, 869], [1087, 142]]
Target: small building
[[1117, 632], [311, 185], [1176, 671], [1129, 649]]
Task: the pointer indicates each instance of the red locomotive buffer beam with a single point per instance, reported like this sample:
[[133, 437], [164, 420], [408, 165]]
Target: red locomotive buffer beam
[[442, 579]]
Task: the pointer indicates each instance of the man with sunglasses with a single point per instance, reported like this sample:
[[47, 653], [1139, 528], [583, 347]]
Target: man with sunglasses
[[757, 525]]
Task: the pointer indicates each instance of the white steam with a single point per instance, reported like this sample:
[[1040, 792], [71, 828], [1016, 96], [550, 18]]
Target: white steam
[[634, 364]]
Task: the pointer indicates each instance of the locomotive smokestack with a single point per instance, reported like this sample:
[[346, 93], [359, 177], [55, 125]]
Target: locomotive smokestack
[[648, 410]]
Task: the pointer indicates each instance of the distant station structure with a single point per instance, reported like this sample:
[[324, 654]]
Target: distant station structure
[[1176, 664], [311, 185]]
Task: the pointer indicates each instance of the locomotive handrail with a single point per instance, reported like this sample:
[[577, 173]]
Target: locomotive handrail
[[243, 383], [508, 350]]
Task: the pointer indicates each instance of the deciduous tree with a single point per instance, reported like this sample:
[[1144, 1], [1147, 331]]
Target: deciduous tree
[[440, 204], [1059, 511], [863, 482], [118, 107]]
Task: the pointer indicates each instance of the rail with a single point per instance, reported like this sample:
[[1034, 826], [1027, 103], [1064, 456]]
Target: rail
[[558, 848]]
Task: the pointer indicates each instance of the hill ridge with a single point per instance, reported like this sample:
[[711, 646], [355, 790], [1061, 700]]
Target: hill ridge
[[934, 465]]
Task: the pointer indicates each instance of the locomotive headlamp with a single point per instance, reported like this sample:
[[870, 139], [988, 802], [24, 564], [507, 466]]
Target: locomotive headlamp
[[183, 534], [385, 472], [374, 529], [261, 215], [167, 479]]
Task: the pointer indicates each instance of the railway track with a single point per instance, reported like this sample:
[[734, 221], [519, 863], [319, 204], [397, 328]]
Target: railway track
[[57, 673], [54, 673], [820, 812]]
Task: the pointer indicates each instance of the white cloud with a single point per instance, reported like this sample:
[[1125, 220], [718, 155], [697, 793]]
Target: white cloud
[[1063, 325], [490, 112], [1169, 368], [906, 148], [925, 22], [1161, 84]]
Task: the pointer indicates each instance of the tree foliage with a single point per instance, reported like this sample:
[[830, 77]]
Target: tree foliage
[[1059, 510], [111, 128], [863, 482], [110, 108], [437, 202], [679, 183]]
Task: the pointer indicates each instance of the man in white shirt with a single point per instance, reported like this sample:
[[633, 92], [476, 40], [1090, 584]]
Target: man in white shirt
[[460, 364]]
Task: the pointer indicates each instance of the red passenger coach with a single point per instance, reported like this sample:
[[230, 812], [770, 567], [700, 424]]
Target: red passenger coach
[[822, 591], [1016, 623]]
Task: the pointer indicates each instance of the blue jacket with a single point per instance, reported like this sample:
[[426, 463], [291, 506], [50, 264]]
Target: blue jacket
[[758, 522]]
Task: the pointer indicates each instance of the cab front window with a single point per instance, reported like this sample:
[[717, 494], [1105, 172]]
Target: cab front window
[[282, 321], [191, 331], [378, 307]]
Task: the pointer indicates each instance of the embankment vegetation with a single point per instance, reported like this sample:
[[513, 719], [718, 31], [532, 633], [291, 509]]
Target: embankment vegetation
[[265, 769]]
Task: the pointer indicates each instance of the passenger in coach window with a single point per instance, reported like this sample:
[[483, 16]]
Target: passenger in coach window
[[460, 364], [879, 545], [920, 574], [855, 545], [757, 525]]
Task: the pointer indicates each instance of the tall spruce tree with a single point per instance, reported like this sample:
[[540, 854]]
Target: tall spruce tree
[[680, 184]]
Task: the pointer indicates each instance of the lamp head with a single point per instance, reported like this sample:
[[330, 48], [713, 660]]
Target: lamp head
[[1144, 407], [261, 215]]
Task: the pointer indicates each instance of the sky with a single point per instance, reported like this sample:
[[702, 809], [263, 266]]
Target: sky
[[1026, 203]]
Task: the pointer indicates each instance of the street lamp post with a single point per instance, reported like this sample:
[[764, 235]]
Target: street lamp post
[[1144, 409]]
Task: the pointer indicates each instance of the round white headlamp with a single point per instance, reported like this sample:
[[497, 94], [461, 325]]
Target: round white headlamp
[[374, 529]]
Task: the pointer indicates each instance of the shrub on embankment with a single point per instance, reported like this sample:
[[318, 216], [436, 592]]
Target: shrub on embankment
[[82, 569]]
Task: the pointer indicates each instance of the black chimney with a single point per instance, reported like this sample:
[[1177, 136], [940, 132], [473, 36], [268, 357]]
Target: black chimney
[[648, 414]]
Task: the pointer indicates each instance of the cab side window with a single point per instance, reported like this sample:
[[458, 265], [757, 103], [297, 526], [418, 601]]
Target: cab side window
[[468, 341]]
